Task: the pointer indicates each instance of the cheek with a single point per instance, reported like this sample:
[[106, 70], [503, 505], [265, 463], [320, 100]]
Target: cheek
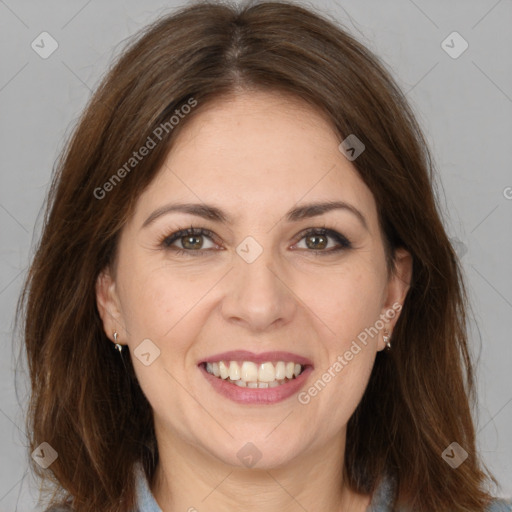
[[163, 305], [349, 385], [338, 385], [348, 305], [158, 298], [346, 301]]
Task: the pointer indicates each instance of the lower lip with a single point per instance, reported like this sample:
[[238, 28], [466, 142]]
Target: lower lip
[[257, 395]]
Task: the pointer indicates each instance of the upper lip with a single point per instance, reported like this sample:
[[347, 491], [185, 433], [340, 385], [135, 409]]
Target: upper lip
[[263, 357]]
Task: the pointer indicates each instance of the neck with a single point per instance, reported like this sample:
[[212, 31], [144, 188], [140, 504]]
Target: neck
[[190, 479]]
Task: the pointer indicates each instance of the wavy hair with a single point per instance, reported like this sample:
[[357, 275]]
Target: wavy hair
[[91, 410]]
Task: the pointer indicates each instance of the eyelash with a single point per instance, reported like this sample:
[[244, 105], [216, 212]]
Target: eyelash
[[167, 240]]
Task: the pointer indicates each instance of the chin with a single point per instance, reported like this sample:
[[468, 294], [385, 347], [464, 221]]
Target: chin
[[256, 452]]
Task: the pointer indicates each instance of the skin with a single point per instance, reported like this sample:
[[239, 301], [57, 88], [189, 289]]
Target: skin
[[255, 155]]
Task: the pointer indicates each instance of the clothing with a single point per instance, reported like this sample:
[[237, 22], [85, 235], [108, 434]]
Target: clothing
[[145, 500], [381, 499]]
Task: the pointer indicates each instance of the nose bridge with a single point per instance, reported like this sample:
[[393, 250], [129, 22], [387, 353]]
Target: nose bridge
[[258, 295]]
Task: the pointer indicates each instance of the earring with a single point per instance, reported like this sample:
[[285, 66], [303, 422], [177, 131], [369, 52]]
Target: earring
[[387, 338], [117, 345], [120, 347]]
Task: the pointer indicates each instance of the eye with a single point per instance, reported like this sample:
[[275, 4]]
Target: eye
[[190, 241], [317, 239]]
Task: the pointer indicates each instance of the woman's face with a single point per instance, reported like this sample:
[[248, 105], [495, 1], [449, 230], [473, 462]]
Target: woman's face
[[257, 282]]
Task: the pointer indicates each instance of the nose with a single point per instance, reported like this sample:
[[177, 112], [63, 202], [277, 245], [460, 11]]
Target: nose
[[259, 295]]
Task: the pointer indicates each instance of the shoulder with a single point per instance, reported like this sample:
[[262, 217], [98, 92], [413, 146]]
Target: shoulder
[[382, 498], [383, 495], [500, 505]]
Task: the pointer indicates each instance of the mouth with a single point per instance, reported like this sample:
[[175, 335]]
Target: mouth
[[249, 374], [246, 377]]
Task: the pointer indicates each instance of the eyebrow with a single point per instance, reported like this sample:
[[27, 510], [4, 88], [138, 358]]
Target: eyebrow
[[215, 214]]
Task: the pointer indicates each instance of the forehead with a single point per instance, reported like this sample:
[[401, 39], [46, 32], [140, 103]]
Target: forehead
[[257, 153]]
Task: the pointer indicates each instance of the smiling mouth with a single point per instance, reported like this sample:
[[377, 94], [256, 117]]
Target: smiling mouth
[[251, 375]]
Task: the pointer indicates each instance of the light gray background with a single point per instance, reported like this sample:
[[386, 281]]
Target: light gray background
[[463, 104]]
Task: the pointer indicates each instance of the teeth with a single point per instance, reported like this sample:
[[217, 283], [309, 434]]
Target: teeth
[[280, 370], [223, 369], [234, 370], [266, 373], [249, 374], [249, 371]]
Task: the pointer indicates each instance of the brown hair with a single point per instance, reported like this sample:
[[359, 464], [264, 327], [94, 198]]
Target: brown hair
[[92, 411]]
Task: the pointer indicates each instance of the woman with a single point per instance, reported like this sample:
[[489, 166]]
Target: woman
[[244, 297]]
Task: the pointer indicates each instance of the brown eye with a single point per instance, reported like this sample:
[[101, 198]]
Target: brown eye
[[316, 241], [324, 241], [191, 242]]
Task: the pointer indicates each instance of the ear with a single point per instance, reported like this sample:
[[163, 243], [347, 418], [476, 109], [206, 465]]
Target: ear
[[398, 285], [109, 306]]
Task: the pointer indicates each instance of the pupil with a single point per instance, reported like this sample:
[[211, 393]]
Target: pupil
[[315, 245], [192, 245], [188, 242]]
